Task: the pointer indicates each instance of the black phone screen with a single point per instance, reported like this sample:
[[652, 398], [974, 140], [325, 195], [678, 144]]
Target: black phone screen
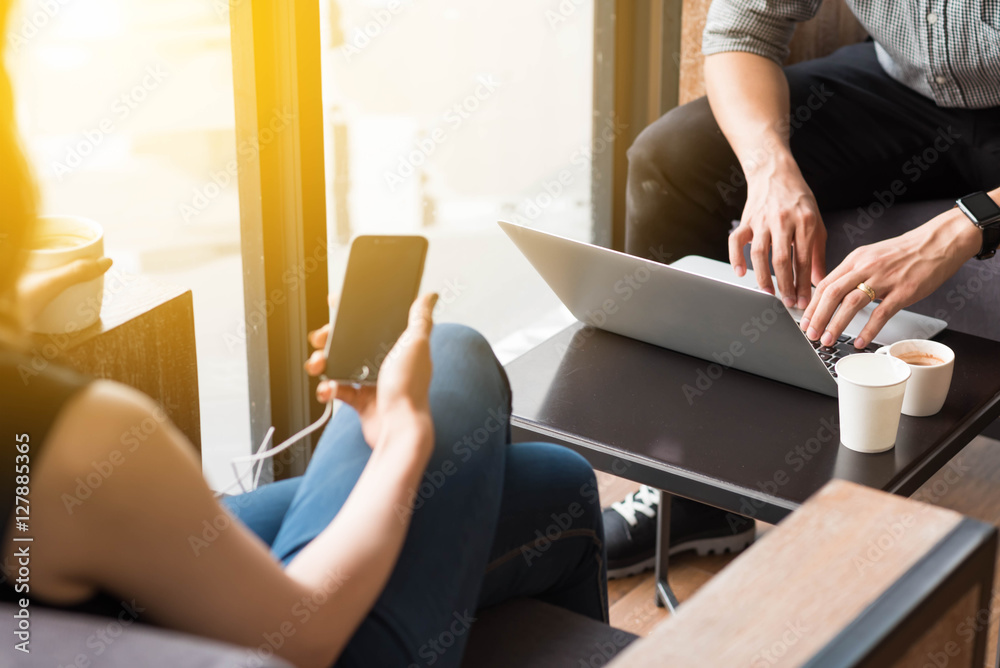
[[382, 281]]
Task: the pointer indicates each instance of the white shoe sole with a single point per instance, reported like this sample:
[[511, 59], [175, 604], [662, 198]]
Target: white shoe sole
[[704, 548]]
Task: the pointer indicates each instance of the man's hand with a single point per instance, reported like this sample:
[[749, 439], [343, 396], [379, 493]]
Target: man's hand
[[781, 214], [901, 271], [400, 400], [37, 289]]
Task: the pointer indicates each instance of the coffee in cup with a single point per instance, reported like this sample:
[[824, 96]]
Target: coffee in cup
[[920, 359], [932, 365]]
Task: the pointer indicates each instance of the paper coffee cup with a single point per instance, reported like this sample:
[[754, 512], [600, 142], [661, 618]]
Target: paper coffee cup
[[871, 389], [931, 367], [57, 241]]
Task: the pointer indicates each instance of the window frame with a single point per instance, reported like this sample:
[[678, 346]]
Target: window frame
[[276, 71], [277, 64]]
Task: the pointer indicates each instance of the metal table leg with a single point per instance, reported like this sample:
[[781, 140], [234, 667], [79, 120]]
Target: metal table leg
[[664, 594]]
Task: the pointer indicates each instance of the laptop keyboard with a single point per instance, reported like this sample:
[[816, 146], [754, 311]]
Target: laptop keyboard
[[842, 348]]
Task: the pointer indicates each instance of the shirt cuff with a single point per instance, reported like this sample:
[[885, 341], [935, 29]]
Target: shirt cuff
[[712, 44]]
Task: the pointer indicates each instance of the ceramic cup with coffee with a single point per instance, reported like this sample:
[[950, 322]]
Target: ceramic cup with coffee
[[931, 364], [57, 241]]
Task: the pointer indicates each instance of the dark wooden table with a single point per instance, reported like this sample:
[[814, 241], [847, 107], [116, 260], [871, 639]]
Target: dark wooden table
[[733, 440], [144, 339]]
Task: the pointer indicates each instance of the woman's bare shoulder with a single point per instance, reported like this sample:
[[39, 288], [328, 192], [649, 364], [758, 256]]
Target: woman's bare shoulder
[[105, 421], [106, 445]]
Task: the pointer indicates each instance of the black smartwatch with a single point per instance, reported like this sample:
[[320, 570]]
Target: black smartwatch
[[984, 214]]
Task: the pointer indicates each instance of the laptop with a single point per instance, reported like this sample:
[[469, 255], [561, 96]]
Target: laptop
[[699, 307]]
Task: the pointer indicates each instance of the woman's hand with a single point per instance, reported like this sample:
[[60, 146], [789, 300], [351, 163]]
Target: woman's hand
[[37, 289], [901, 271], [400, 399]]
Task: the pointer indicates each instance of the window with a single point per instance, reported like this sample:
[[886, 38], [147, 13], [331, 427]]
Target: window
[[127, 111], [442, 117]]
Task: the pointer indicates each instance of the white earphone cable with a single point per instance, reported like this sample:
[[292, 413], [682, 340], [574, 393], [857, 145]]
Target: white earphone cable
[[263, 453]]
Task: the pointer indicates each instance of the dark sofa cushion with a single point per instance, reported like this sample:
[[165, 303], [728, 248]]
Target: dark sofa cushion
[[969, 301], [527, 633], [72, 639]]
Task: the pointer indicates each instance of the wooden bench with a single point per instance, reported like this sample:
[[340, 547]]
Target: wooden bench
[[855, 577]]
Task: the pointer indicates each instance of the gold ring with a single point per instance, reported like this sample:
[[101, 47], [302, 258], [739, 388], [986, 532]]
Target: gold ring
[[867, 290]]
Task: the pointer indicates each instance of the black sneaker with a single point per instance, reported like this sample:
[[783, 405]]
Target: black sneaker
[[630, 531]]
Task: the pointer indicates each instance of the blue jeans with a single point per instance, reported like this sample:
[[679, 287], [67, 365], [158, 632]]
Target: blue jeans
[[492, 520]]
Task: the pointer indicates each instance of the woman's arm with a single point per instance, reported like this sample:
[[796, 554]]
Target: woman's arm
[[148, 531]]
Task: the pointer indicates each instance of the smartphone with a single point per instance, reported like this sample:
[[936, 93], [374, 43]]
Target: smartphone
[[381, 283]]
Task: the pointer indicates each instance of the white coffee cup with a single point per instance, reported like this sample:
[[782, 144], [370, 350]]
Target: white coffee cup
[[871, 389], [931, 367], [57, 241]]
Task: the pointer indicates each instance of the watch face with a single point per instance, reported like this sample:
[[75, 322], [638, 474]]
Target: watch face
[[981, 206]]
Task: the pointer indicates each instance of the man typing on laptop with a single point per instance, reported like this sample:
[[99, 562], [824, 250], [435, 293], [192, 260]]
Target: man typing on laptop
[[771, 147]]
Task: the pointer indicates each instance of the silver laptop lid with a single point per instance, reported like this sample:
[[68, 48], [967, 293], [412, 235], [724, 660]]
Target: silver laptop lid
[[724, 324]]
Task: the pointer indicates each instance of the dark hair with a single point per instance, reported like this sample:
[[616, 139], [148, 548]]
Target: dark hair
[[18, 198]]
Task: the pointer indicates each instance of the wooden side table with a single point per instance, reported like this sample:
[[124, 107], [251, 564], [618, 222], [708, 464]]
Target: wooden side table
[[144, 339]]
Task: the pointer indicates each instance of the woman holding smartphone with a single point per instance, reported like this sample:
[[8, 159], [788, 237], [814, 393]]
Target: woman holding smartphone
[[414, 512]]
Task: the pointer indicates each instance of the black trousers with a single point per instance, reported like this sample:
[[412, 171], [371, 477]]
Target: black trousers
[[860, 138]]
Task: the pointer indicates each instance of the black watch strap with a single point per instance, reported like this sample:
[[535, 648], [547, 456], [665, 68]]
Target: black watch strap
[[985, 214], [991, 241]]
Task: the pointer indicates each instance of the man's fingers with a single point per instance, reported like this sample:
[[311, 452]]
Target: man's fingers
[[881, 315], [781, 258], [831, 298], [759, 250], [854, 301], [739, 238], [422, 314], [803, 273], [819, 254]]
